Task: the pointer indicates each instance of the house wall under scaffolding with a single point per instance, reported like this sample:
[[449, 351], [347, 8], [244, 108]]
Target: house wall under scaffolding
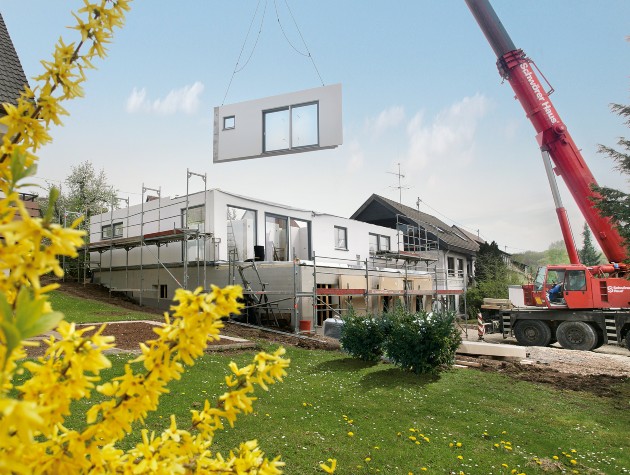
[[148, 251], [285, 294]]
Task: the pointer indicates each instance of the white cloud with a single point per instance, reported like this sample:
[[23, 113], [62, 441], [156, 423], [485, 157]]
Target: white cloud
[[450, 136], [387, 119], [184, 100], [356, 160], [136, 100]]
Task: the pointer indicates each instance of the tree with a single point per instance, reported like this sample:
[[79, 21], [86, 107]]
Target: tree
[[87, 192], [492, 278], [490, 264], [588, 254], [556, 254], [612, 203]]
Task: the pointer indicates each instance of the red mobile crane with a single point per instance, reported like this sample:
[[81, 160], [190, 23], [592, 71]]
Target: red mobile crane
[[581, 307]]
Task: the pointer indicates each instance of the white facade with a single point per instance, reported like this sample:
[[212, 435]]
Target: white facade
[[297, 253], [290, 232]]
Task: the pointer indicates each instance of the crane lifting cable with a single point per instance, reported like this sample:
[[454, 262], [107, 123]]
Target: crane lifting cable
[[308, 53], [238, 67]]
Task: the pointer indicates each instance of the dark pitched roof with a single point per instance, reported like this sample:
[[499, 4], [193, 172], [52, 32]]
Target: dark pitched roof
[[380, 210], [474, 237], [12, 77]]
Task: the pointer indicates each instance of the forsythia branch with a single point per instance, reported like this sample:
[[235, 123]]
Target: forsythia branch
[[33, 437]]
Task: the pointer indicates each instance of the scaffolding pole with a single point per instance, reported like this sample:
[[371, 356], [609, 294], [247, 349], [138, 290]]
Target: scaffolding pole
[[204, 177], [144, 190]]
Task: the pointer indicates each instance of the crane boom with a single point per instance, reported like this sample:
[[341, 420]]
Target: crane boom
[[553, 136]]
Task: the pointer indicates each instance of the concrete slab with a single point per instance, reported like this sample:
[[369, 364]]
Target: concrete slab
[[489, 349]]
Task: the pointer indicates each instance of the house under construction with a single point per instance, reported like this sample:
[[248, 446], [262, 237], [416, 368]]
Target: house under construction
[[297, 267]]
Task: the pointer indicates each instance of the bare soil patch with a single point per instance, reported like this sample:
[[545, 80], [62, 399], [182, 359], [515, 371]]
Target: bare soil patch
[[605, 375]]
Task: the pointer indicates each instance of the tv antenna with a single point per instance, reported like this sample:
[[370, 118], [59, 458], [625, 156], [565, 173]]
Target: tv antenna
[[400, 187]]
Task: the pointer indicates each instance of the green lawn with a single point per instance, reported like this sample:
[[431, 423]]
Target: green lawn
[[494, 423], [81, 310], [375, 418]]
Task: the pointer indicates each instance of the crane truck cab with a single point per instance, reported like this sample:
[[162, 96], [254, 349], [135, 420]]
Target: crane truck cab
[[566, 286], [580, 307]]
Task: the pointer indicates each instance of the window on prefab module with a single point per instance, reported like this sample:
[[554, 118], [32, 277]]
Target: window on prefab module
[[195, 220], [276, 238], [341, 238], [106, 231], [241, 233], [379, 243], [300, 239], [291, 127]]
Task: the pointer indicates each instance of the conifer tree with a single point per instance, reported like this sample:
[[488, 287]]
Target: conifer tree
[[588, 254], [614, 203]]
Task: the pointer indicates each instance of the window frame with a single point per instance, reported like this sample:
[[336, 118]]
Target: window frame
[[381, 239], [285, 253], [289, 133], [113, 230], [225, 122], [450, 266], [253, 216], [185, 223], [337, 229]]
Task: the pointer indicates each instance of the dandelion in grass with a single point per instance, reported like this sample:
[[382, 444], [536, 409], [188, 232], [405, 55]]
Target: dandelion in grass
[[350, 434], [329, 468]]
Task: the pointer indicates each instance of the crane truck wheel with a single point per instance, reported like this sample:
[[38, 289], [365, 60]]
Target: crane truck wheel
[[532, 333], [576, 336], [600, 336]]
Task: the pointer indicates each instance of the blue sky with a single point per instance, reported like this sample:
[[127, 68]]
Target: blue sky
[[420, 88]]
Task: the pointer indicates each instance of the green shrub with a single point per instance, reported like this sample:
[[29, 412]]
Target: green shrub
[[363, 336], [422, 342]]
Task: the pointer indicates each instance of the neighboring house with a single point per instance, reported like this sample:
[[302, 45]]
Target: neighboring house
[[12, 83], [12, 77], [448, 251], [301, 264]]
